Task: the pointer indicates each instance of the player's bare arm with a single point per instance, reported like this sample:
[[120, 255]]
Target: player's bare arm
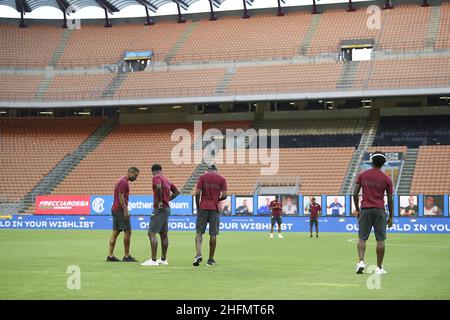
[[124, 207], [356, 198], [390, 201], [159, 195], [223, 196], [174, 195], [197, 197]]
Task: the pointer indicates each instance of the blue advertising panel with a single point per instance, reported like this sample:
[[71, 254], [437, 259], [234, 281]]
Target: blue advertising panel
[[137, 55], [140, 205], [227, 223]]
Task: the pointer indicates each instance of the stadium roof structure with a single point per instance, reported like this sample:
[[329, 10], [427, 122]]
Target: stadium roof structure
[[111, 6], [71, 6]]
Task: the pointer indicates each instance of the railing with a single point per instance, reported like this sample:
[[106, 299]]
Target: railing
[[237, 89]]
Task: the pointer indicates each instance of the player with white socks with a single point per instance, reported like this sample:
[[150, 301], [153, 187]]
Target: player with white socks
[[374, 183]]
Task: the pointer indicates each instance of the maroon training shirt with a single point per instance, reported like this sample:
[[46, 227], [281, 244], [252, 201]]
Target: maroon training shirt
[[122, 186], [374, 183], [211, 184], [314, 209], [166, 188], [276, 212]]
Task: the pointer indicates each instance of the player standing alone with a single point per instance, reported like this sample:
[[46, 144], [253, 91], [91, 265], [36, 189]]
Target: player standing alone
[[314, 210], [211, 188], [374, 184], [276, 208], [121, 216], [159, 221]]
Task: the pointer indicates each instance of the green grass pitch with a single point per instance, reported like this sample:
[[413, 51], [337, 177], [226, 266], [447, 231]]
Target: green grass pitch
[[249, 266]]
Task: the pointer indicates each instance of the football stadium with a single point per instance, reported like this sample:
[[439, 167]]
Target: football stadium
[[289, 104]]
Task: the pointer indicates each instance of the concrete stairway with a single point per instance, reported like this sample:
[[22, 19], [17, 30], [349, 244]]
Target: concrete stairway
[[407, 173], [192, 181], [223, 85], [433, 27], [180, 42], [61, 47], [309, 36], [114, 85], [43, 86], [63, 168], [367, 139], [201, 168], [348, 74]]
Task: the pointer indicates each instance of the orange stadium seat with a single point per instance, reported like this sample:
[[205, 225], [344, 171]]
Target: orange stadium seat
[[19, 86], [28, 47], [318, 175], [95, 45], [337, 25], [30, 148], [133, 145], [232, 38], [410, 73], [432, 171], [400, 30], [285, 78], [78, 86], [443, 37], [178, 83]]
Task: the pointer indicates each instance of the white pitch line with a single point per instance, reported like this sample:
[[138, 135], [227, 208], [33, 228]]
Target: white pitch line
[[402, 245]]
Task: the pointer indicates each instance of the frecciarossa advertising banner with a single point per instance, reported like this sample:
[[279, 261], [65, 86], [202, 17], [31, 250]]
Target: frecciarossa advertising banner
[[63, 205], [101, 205]]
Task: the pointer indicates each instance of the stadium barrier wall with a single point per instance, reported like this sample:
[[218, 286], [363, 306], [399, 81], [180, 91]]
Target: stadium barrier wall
[[184, 205], [227, 223], [183, 219]]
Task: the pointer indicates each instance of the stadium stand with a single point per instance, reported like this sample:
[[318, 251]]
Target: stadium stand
[[444, 27], [432, 171], [285, 78], [311, 141], [227, 39], [338, 25], [28, 47], [410, 73], [388, 149], [231, 38], [291, 127], [19, 86], [78, 86], [413, 131], [181, 83], [126, 146], [133, 145], [363, 73], [401, 32], [424, 72], [305, 133], [92, 45], [318, 175], [30, 148]]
